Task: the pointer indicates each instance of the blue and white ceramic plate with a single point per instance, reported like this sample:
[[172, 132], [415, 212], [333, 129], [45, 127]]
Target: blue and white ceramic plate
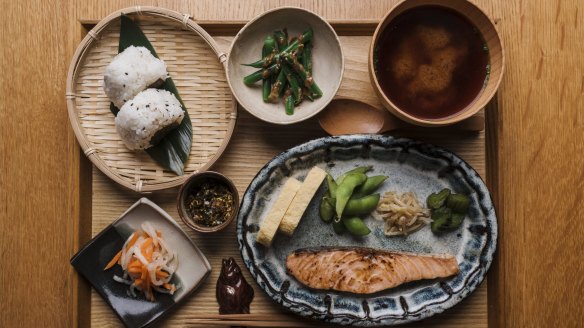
[[411, 166]]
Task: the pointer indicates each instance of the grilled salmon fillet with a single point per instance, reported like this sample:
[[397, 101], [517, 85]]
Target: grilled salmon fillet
[[365, 270]]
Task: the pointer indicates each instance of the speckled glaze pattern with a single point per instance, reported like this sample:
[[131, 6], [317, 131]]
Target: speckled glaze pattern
[[411, 166]]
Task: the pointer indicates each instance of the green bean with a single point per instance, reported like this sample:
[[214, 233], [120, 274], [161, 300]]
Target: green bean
[[289, 101], [303, 92], [292, 60], [281, 38], [326, 209], [285, 87], [332, 186], [266, 89], [300, 53], [306, 57], [345, 190], [269, 51], [369, 186], [277, 87], [360, 169], [257, 64], [269, 48], [261, 74], [338, 226], [295, 43], [437, 199], [356, 226], [441, 219], [361, 206], [277, 57], [458, 203], [269, 59], [294, 87]]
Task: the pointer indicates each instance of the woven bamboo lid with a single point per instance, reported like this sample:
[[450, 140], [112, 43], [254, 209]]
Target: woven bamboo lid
[[198, 69]]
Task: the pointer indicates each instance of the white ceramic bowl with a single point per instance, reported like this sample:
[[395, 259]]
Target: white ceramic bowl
[[327, 58]]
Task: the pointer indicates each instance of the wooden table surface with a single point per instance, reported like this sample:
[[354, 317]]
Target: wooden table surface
[[535, 168]]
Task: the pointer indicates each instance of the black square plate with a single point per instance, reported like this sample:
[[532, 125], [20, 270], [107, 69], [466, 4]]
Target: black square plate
[[193, 267]]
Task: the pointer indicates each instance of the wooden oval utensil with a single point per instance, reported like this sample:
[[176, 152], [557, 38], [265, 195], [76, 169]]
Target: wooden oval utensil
[[350, 116]]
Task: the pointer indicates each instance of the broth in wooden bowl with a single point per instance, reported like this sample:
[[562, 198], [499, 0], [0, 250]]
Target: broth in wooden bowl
[[431, 62]]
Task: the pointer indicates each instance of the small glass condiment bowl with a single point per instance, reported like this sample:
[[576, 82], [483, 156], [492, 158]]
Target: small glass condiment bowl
[[194, 180]]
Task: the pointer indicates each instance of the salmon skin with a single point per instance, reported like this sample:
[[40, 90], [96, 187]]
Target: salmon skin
[[362, 270]]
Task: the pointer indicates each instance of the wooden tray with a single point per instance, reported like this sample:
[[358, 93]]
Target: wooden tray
[[253, 144]]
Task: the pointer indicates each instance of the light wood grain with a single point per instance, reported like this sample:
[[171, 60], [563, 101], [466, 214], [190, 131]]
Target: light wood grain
[[539, 177], [254, 143], [534, 155], [39, 167]]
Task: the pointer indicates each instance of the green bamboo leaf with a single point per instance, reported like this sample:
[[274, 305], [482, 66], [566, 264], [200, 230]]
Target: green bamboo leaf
[[173, 150]]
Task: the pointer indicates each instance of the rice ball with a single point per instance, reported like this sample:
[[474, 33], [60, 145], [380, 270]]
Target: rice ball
[[151, 114], [132, 71]]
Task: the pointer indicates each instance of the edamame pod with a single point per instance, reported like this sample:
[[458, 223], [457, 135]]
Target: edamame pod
[[361, 206], [360, 169], [369, 186], [356, 226], [326, 210], [345, 190], [437, 199], [338, 226], [332, 186]]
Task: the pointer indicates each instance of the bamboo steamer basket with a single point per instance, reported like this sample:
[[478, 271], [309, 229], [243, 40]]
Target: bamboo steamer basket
[[197, 67]]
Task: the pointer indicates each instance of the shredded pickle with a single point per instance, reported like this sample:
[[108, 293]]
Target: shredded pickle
[[209, 203]]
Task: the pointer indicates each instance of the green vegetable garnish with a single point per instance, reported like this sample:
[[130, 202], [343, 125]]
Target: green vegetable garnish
[[441, 219], [436, 200], [448, 210], [458, 203]]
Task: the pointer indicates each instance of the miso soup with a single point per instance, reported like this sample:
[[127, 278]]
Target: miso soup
[[431, 62]]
